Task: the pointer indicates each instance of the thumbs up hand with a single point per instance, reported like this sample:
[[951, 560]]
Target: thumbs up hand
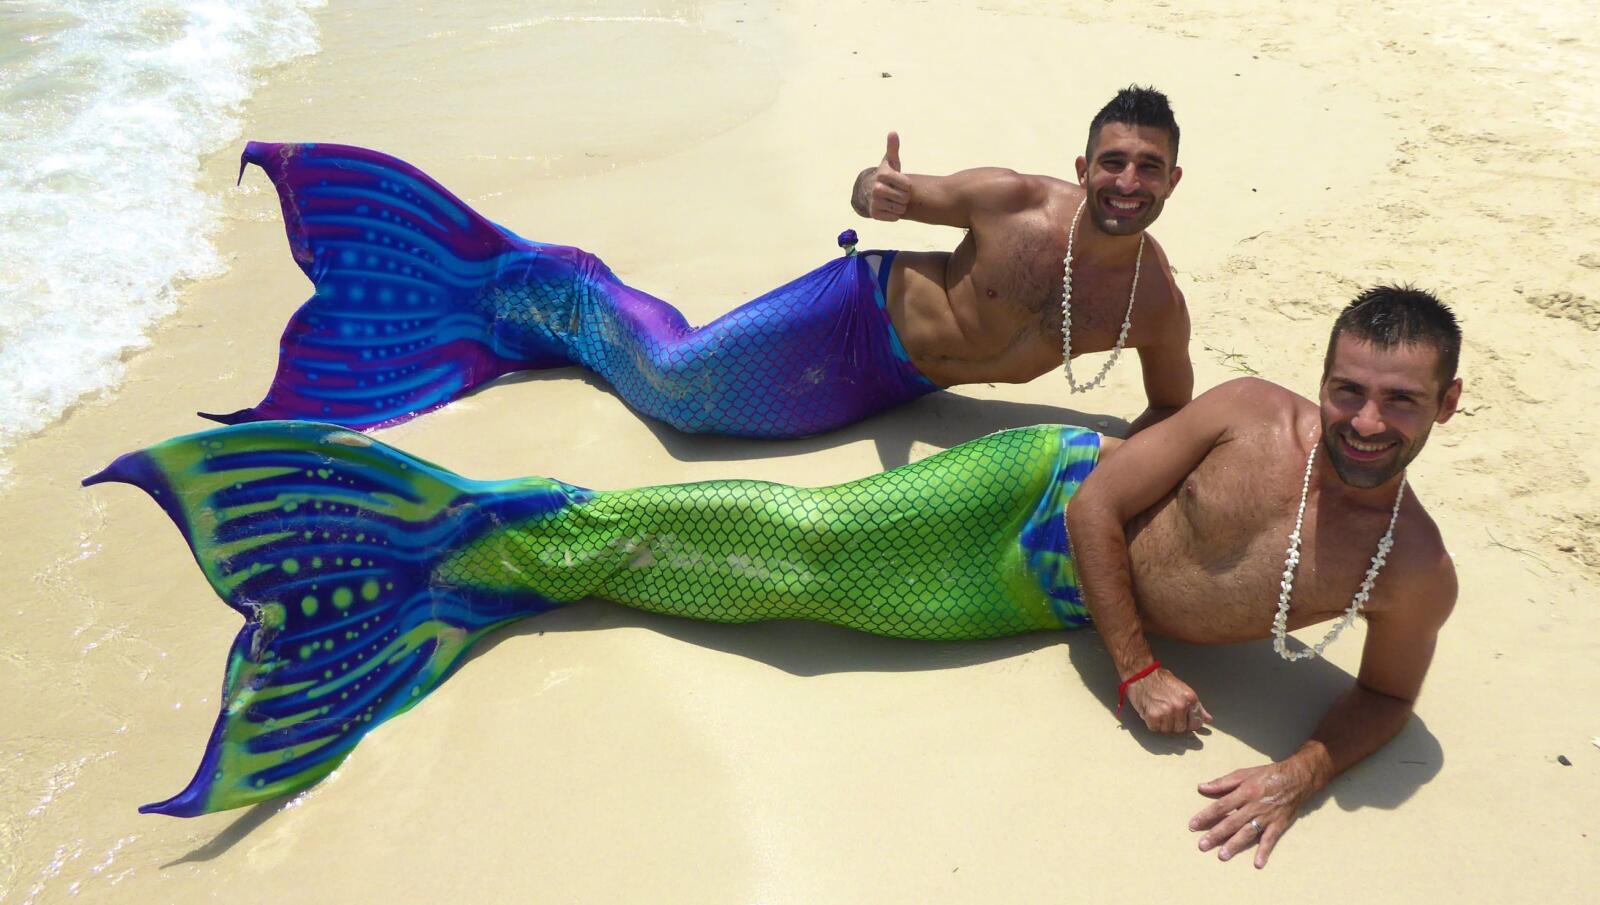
[[889, 193]]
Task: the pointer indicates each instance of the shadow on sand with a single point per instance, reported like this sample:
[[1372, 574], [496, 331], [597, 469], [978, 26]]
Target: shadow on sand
[[236, 832], [1270, 705], [942, 420]]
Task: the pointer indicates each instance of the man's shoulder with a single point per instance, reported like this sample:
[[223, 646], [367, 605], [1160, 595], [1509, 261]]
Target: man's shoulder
[[1050, 185], [1160, 288], [1425, 568], [1256, 398], [1034, 191], [1158, 251], [1417, 585], [1246, 408], [1015, 190]]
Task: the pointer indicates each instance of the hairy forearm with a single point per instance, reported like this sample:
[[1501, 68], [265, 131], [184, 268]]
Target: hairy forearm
[[1100, 552], [1358, 724]]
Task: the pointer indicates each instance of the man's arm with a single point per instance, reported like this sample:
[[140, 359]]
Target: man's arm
[[1168, 372], [1399, 649], [1144, 470], [885, 193]]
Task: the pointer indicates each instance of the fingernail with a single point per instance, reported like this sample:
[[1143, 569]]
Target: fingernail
[[1192, 827], [1222, 855], [1205, 845]]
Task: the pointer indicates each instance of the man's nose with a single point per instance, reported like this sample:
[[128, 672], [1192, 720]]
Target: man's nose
[[1369, 420], [1127, 181]]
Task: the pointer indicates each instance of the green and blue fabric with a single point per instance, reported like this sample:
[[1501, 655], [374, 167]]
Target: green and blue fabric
[[365, 574]]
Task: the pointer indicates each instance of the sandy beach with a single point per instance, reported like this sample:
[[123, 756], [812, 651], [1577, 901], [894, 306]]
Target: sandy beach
[[706, 150]]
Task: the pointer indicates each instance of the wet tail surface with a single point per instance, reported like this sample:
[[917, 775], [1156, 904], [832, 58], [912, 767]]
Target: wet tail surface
[[364, 574], [328, 544], [419, 299], [401, 320]]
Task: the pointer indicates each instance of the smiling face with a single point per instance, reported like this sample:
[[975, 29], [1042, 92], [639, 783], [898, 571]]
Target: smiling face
[[1129, 175], [1378, 405]]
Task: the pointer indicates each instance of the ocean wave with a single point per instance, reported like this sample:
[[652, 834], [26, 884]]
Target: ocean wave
[[106, 108]]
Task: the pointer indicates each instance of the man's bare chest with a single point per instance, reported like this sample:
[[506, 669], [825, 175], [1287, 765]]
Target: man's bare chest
[[1208, 560], [1018, 281], [1020, 271]]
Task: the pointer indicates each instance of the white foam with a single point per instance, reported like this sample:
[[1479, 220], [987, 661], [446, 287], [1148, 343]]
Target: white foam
[[106, 107]]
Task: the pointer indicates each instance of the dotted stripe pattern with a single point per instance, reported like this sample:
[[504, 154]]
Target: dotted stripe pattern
[[327, 543], [419, 299], [364, 574]]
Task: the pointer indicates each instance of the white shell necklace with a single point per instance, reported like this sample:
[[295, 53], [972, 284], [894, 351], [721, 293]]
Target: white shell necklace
[[1066, 309], [1280, 622]]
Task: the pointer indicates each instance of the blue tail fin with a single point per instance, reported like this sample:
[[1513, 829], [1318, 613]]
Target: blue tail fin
[[329, 544], [410, 306]]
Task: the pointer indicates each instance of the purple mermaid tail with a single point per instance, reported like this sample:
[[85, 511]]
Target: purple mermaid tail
[[419, 299]]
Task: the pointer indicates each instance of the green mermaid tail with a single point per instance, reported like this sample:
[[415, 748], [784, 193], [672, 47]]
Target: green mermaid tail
[[364, 574]]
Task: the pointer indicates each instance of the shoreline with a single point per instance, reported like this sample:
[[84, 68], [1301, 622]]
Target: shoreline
[[793, 762]]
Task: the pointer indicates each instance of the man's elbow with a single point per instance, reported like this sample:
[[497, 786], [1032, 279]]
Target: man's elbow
[[1153, 415], [1389, 700], [1170, 392], [1170, 387], [1092, 512]]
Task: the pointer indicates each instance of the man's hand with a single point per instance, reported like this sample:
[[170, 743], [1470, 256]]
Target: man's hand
[[887, 192], [1167, 704], [1268, 795]]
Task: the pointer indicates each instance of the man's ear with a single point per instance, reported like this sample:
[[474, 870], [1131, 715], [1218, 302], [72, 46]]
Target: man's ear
[[1083, 169], [1177, 173], [1447, 407]]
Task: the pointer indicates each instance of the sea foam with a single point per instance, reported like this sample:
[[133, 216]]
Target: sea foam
[[106, 108]]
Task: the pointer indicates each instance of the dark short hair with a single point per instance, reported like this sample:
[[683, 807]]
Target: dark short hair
[[1390, 316], [1136, 106]]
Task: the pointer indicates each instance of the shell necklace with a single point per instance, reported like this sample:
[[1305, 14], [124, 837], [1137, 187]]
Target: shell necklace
[[1066, 309], [1280, 622]]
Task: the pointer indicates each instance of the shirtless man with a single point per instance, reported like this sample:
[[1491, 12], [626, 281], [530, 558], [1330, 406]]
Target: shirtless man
[[1179, 531], [990, 311], [1183, 533], [420, 299]]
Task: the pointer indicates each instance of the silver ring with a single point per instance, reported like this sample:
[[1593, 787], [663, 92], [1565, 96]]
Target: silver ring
[[1255, 826]]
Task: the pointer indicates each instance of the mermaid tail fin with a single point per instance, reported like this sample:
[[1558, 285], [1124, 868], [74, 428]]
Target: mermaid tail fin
[[410, 309], [330, 545]]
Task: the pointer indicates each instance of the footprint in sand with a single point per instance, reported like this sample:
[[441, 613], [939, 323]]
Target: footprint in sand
[[1575, 535], [1569, 306]]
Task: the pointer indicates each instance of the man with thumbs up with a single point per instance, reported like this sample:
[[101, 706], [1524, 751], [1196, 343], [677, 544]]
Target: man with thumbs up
[[860, 334], [1041, 254]]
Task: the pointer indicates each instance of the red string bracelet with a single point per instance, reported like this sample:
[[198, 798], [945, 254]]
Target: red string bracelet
[[1122, 690]]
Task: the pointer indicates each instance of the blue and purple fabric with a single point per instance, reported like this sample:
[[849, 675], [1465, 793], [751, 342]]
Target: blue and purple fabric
[[419, 299]]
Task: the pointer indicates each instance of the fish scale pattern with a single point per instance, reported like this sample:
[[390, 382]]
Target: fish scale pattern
[[364, 575], [419, 299], [934, 550]]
